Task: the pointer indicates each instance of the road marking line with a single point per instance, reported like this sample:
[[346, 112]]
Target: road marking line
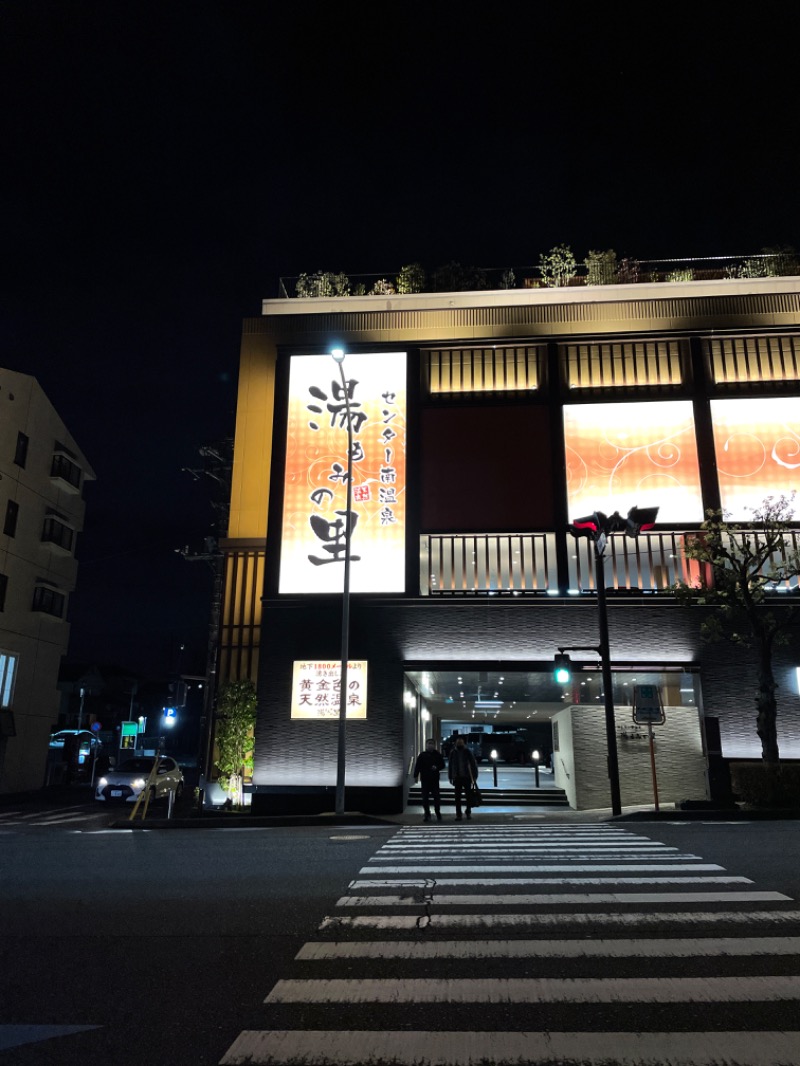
[[697, 947], [582, 857], [550, 869], [404, 1048], [488, 921], [549, 845], [430, 896], [541, 990], [390, 882]]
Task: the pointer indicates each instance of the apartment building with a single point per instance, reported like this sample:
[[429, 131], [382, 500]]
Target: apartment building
[[42, 473]]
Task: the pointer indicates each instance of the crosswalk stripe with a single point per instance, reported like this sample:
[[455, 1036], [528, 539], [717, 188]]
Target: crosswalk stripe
[[633, 845], [561, 830], [697, 947], [540, 919], [404, 1048], [550, 869], [459, 855], [592, 926], [536, 899], [541, 990], [500, 837], [423, 882]]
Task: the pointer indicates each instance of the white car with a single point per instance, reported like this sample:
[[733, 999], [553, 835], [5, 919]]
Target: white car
[[126, 782]]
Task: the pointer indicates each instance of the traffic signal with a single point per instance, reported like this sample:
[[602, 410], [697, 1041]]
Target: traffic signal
[[562, 668], [640, 518]]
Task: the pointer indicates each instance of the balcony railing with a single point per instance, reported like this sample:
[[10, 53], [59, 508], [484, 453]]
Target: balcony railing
[[472, 564], [525, 564]]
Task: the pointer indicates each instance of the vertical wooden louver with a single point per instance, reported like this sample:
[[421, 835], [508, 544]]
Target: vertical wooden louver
[[500, 368]]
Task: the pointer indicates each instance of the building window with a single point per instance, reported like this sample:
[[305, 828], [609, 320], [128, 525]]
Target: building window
[[624, 364], [8, 673], [500, 368], [3, 588], [48, 600], [21, 454], [10, 524], [65, 469], [55, 532]]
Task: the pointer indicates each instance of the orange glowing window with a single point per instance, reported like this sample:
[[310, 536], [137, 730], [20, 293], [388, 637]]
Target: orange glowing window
[[623, 455]]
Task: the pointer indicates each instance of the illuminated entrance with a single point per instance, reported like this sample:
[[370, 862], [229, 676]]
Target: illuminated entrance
[[507, 716]]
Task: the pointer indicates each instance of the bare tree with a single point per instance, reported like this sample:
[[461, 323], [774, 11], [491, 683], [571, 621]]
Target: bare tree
[[742, 567]]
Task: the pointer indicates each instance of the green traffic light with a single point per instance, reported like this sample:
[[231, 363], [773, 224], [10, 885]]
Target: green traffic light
[[562, 669]]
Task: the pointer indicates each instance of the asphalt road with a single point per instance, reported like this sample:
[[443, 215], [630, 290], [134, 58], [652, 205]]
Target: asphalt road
[[165, 944]]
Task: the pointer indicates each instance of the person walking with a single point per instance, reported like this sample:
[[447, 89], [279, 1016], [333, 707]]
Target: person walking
[[427, 768], [463, 772]]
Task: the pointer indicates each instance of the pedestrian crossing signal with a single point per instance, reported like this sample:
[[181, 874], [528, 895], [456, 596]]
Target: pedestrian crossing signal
[[562, 669]]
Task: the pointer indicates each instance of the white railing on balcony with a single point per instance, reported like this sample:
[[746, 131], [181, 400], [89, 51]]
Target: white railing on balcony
[[651, 562], [487, 563], [525, 563]]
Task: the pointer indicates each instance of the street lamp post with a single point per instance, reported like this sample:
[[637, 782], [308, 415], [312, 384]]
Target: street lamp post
[[600, 526], [341, 750]]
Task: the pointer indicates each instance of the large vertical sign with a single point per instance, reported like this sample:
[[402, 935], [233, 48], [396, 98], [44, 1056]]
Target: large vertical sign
[[315, 489]]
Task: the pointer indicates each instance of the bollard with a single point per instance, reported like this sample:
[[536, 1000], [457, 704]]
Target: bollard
[[170, 802]]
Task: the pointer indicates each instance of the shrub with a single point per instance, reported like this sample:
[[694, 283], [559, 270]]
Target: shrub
[[686, 274], [762, 784], [382, 287], [628, 271], [411, 278], [453, 277], [323, 283], [558, 266], [601, 267]]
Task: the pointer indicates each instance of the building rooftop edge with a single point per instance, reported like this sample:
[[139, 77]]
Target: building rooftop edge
[[585, 294]]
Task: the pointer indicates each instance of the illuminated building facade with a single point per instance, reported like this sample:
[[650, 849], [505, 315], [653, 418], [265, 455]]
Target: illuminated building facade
[[484, 423], [42, 473]]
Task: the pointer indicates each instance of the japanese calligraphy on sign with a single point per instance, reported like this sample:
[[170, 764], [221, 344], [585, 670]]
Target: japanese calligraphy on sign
[[316, 689], [316, 521]]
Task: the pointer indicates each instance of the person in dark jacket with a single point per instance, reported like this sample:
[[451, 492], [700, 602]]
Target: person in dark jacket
[[427, 768], [463, 772]]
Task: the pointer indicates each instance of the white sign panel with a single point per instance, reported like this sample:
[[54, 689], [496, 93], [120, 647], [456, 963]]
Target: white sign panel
[[316, 689]]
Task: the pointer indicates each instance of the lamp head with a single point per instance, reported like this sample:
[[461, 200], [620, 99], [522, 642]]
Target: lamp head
[[338, 355]]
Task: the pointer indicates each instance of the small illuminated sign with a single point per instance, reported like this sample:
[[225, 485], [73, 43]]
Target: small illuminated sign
[[316, 689], [647, 706]]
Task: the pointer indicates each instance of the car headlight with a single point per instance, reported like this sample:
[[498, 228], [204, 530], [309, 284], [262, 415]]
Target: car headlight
[[138, 783], [102, 782]]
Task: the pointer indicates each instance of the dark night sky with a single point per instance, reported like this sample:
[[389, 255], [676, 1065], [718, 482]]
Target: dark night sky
[[165, 163]]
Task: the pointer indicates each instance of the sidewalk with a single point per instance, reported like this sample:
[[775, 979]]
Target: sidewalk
[[481, 816]]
